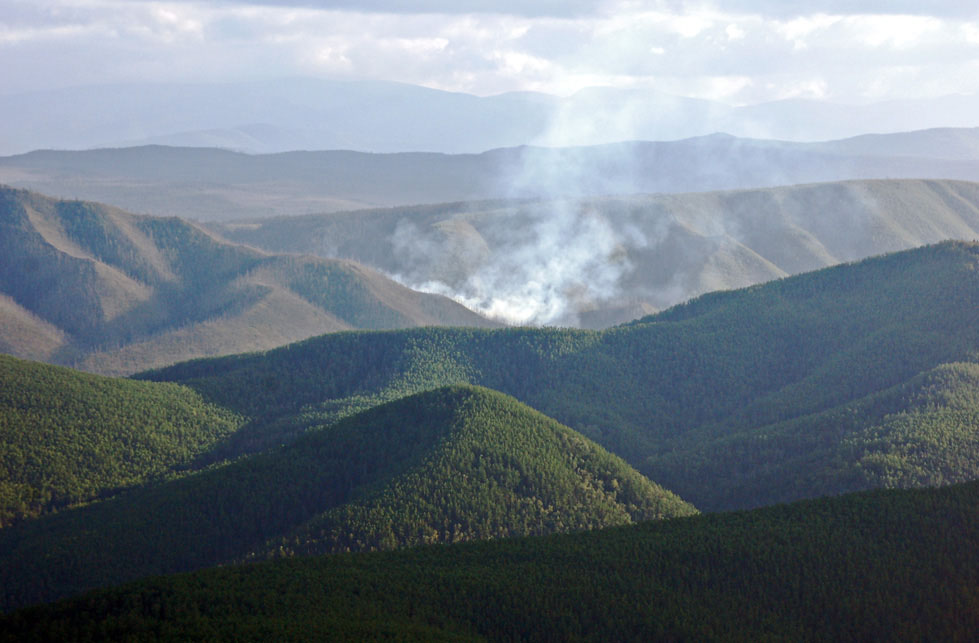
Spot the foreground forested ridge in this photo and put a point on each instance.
(93, 287)
(68, 437)
(449, 465)
(842, 379)
(857, 376)
(883, 565)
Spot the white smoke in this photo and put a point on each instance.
(558, 258)
(546, 261)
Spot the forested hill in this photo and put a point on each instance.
(90, 286)
(68, 437)
(874, 566)
(850, 377)
(449, 465)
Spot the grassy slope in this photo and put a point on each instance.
(707, 376)
(884, 565)
(68, 437)
(115, 293)
(448, 465)
(677, 245)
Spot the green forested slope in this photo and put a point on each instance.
(921, 432)
(68, 437)
(448, 465)
(711, 376)
(895, 565)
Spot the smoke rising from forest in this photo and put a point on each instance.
(552, 257)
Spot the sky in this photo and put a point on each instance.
(738, 52)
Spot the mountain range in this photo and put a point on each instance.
(304, 113)
(607, 260)
(92, 286)
(208, 184)
(846, 378)
(859, 376)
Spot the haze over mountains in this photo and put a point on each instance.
(308, 114)
(95, 287)
(594, 262)
(214, 185)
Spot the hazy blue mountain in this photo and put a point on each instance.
(209, 184)
(304, 113)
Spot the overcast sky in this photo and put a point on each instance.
(739, 52)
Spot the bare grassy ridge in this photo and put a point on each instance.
(676, 246)
(91, 286)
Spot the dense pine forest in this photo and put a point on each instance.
(833, 381)
(895, 565)
(856, 377)
(68, 437)
(448, 465)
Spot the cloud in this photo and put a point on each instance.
(792, 8)
(737, 52)
(534, 8)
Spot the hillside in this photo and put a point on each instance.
(207, 184)
(68, 437)
(448, 465)
(90, 286)
(895, 566)
(608, 260)
(749, 387)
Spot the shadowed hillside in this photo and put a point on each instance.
(449, 465)
(93, 287)
(895, 566)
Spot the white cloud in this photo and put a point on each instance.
(735, 51)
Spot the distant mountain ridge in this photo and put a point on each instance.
(663, 248)
(94, 287)
(219, 185)
(375, 116)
